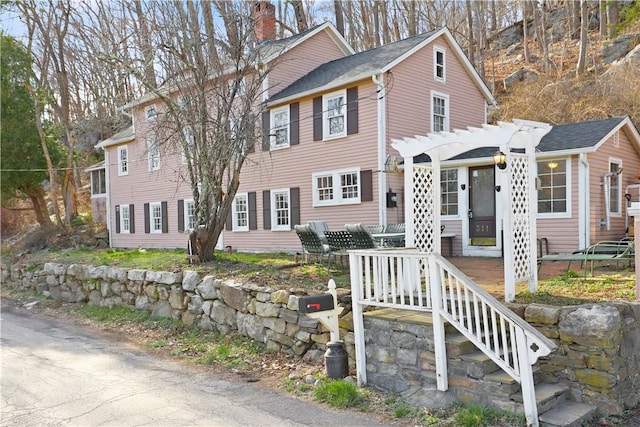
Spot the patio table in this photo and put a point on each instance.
(381, 237)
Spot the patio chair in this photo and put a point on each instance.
(340, 241)
(320, 227)
(374, 229)
(362, 239)
(618, 251)
(311, 244)
(394, 228)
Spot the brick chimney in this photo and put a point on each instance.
(264, 18)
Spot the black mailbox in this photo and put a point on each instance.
(314, 303)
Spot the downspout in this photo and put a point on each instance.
(108, 190)
(378, 80)
(584, 201)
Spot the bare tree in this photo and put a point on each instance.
(525, 30)
(612, 18)
(339, 14)
(543, 36)
(582, 57)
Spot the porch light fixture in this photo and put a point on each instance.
(552, 165)
(500, 160)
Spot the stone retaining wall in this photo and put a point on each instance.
(598, 352)
(267, 315)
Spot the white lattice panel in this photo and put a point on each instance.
(424, 199)
(520, 216)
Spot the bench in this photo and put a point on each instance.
(602, 251)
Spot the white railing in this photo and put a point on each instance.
(407, 279)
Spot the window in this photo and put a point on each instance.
(440, 112)
(616, 139)
(336, 187)
(280, 128)
(123, 160)
(150, 112)
(334, 108)
(241, 212)
(615, 189)
(155, 216)
(449, 192)
(438, 64)
(125, 219)
(553, 189)
(153, 152)
(98, 182)
(189, 214)
(280, 210)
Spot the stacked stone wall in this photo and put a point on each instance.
(267, 315)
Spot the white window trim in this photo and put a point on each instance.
(234, 213)
(613, 160)
(152, 230)
(325, 115)
(616, 139)
(460, 195)
(94, 173)
(153, 147)
(555, 215)
(437, 50)
(272, 138)
(337, 191)
(124, 230)
(186, 204)
(274, 225)
(149, 108)
(122, 172)
(446, 109)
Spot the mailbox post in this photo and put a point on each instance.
(325, 309)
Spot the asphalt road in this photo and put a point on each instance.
(54, 373)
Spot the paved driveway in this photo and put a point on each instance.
(55, 374)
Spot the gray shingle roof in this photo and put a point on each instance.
(367, 62)
(572, 136)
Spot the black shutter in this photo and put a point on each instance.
(366, 185)
(132, 220)
(147, 220)
(352, 110)
(251, 134)
(165, 217)
(317, 118)
(266, 130)
(294, 124)
(295, 206)
(117, 218)
(181, 216)
(253, 214)
(228, 225)
(266, 210)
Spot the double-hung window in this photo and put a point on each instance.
(449, 191)
(125, 219)
(553, 190)
(189, 214)
(336, 187)
(615, 187)
(280, 128)
(439, 64)
(240, 212)
(335, 115)
(150, 112)
(439, 112)
(153, 152)
(123, 160)
(155, 216)
(280, 209)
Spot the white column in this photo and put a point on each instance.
(634, 211)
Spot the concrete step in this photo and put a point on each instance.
(548, 396)
(567, 414)
(477, 364)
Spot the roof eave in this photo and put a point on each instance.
(106, 143)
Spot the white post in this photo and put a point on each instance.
(440, 348)
(634, 211)
(358, 320)
(526, 380)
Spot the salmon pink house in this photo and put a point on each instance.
(322, 148)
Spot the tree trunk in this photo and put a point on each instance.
(39, 206)
(602, 17)
(337, 7)
(612, 18)
(525, 30)
(145, 44)
(575, 19)
(301, 18)
(543, 38)
(471, 47)
(582, 58)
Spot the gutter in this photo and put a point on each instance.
(378, 80)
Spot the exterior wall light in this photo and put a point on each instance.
(500, 160)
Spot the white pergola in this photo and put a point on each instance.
(517, 181)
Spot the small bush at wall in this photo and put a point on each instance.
(339, 394)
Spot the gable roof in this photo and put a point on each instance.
(571, 138)
(370, 62)
(121, 137)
